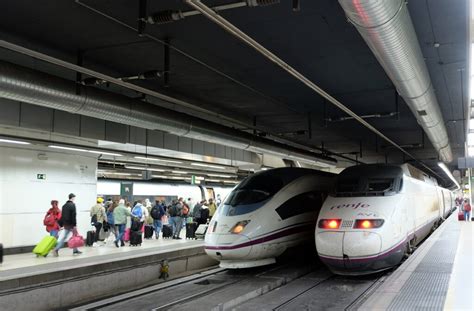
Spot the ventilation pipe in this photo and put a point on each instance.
(36, 88)
(387, 29)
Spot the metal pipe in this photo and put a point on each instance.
(386, 27)
(229, 27)
(36, 88)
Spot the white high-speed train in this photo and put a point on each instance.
(376, 214)
(265, 214)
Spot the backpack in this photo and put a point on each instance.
(155, 212)
(174, 210)
(49, 220)
(185, 210)
(137, 211)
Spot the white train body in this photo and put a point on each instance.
(374, 214)
(277, 210)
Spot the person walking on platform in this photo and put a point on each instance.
(51, 219)
(175, 218)
(110, 217)
(68, 221)
(212, 207)
(121, 212)
(98, 217)
(467, 210)
(157, 212)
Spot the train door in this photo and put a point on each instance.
(442, 204)
(207, 193)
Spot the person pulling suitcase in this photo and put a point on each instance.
(68, 222)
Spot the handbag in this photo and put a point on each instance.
(76, 240)
(93, 220)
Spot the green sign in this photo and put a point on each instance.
(193, 180)
(41, 176)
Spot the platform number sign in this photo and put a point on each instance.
(41, 176)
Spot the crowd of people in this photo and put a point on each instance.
(125, 220)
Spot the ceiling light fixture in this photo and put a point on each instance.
(208, 165)
(18, 142)
(159, 160)
(448, 173)
(67, 148)
(219, 175)
(105, 153)
(179, 172)
(141, 168)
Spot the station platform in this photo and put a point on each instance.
(438, 276)
(26, 281)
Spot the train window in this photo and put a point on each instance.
(254, 190)
(347, 185)
(380, 184)
(300, 204)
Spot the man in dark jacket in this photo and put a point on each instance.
(68, 221)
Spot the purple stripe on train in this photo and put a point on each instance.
(274, 236)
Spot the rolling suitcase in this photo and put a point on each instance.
(201, 231)
(148, 232)
(45, 246)
(167, 231)
(461, 216)
(135, 238)
(90, 238)
(190, 228)
(126, 236)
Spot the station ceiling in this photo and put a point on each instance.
(219, 73)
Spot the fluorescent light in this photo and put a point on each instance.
(213, 180)
(142, 168)
(448, 173)
(179, 172)
(470, 151)
(208, 165)
(105, 153)
(230, 182)
(18, 142)
(67, 148)
(159, 176)
(159, 160)
(219, 175)
(470, 139)
(199, 178)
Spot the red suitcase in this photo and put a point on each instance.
(461, 216)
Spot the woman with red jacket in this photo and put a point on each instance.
(51, 219)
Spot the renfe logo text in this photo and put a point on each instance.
(351, 205)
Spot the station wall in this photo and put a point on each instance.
(25, 197)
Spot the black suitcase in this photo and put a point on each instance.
(1, 253)
(90, 238)
(167, 231)
(135, 238)
(190, 228)
(148, 232)
(136, 225)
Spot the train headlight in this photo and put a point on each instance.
(368, 223)
(239, 227)
(329, 223)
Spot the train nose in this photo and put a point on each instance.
(348, 251)
(227, 246)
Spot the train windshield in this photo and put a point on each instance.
(255, 190)
(369, 180)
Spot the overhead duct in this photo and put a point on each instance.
(387, 29)
(33, 87)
